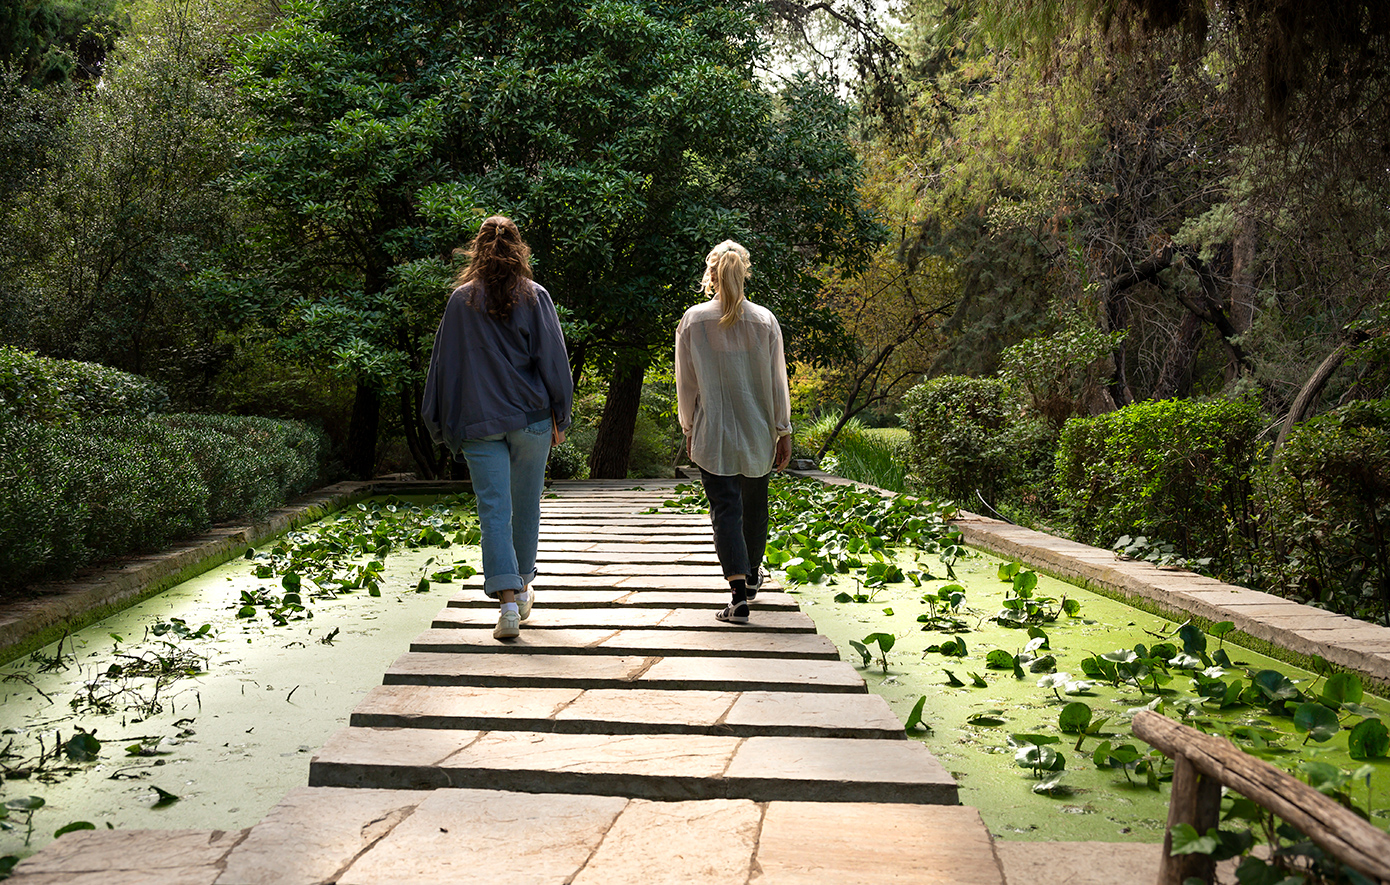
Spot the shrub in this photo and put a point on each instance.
(1177, 470)
(1327, 512)
(968, 437)
(94, 488)
(36, 388)
(807, 441)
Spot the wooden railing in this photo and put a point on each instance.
(1203, 764)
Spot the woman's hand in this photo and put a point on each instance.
(557, 436)
(783, 455)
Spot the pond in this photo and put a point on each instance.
(988, 655)
(229, 726)
(295, 636)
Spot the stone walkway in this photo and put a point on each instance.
(625, 737)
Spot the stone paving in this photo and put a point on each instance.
(625, 737)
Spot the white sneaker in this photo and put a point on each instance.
(508, 626)
(523, 603)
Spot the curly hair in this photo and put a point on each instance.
(499, 263)
(726, 267)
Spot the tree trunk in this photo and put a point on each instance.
(1175, 378)
(417, 437)
(613, 444)
(362, 432)
(1307, 398)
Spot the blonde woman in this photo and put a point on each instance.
(499, 395)
(735, 410)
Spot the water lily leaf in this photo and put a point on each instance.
(25, 803)
(1025, 582)
(986, 718)
(863, 651)
(914, 719)
(1360, 710)
(1275, 685)
(978, 680)
(1043, 664)
(885, 641)
(1052, 786)
(1324, 777)
(166, 798)
(74, 827)
(1369, 739)
(1074, 718)
(1221, 628)
(1341, 688)
(952, 680)
(82, 747)
(1007, 570)
(1039, 739)
(1318, 720)
(1194, 641)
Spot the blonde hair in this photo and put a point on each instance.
(726, 267)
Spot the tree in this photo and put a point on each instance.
(48, 42)
(624, 136)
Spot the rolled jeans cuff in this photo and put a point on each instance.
(494, 585)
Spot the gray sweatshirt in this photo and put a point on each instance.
(488, 377)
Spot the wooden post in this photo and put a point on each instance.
(1196, 800)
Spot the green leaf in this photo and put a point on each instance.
(998, 659)
(1342, 688)
(1186, 840)
(1369, 739)
(952, 680)
(1319, 721)
(977, 680)
(1074, 718)
(25, 803)
(166, 798)
(885, 641)
(914, 718)
(74, 827)
(82, 747)
(863, 651)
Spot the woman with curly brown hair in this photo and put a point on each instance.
(498, 395)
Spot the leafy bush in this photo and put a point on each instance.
(1327, 512)
(93, 488)
(36, 388)
(1178, 470)
(967, 436)
(808, 440)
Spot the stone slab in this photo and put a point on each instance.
(622, 671)
(839, 770)
(752, 674)
(130, 857)
(807, 843)
(616, 549)
(710, 599)
(516, 671)
(703, 556)
(821, 714)
(700, 643)
(470, 836)
(462, 707)
(662, 569)
(655, 766)
(547, 617)
(314, 833)
(678, 843)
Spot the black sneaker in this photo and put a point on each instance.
(754, 583)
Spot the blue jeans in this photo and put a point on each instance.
(508, 472)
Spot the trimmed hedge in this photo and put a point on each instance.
(102, 487)
(35, 388)
(89, 470)
(1176, 470)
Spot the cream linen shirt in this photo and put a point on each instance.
(731, 389)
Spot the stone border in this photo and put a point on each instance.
(1288, 631)
(107, 587)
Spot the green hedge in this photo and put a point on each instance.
(35, 388)
(1175, 470)
(94, 488)
(968, 437)
(1326, 508)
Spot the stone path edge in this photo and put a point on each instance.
(1147, 587)
(112, 585)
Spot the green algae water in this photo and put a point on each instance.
(970, 726)
(253, 698)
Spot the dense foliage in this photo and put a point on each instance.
(1174, 469)
(969, 441)
(91, 467)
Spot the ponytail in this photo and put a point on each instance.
(726, 267)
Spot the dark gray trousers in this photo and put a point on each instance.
(738, 514)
